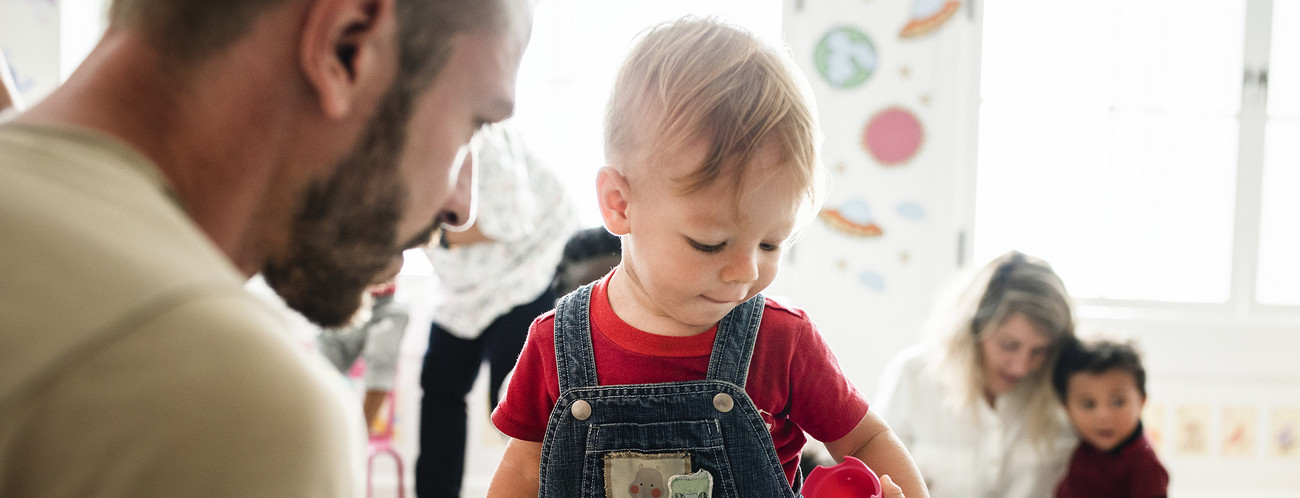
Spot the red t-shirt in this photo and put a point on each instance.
(1129, 471)
(794, 379)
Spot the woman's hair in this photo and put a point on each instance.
(701, 81)
(1010, 284)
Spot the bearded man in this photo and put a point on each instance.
(199, 143)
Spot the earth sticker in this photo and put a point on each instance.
(845, 57)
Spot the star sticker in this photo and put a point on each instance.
(905, 71)
(842, 265)
(925, 98)
(904, 257)
(840, 167)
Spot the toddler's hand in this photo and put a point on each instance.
(891, 490)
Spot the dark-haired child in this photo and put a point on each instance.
(1103, 387)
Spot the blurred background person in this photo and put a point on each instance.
(493, 279)
(975, 405)
(377, 340)
(588, 255)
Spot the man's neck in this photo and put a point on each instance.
(194, 129)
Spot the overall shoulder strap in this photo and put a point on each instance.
(575, 362)
(734, 345)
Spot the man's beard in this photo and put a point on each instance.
(345, 233)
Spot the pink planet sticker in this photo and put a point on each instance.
(893, 136)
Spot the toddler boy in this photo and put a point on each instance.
(1103, 387)
(672, 373)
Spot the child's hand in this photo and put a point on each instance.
(891, 490)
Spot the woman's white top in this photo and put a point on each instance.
(961, 455)
(527, 213)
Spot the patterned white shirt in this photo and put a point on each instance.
(527, 213)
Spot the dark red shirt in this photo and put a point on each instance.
(794, 379)
(1130, 470)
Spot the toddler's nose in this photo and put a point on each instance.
(741, 267)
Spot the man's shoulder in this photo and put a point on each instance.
(206, 349)
(199, 326)
(209, 383)
(100, 240)
(95, 251)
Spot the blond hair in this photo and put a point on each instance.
(696, 80)
(1010, 284)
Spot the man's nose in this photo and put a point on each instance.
(462, 207)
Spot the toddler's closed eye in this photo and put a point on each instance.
(705, 247)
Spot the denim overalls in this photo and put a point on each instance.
(606, 441)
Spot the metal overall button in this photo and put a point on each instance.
(723, 402)
(581, 410)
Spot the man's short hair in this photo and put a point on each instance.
(1097, 357)
(699, 79)
(188, 31)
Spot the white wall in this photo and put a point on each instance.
(29, 36)
(44, 40)
(1211, 377)
(870, 293)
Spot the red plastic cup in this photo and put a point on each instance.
(848, 479)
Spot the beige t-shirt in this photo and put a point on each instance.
(132, 361)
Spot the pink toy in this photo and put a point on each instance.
(382, 444)
(381, 435)
(849, 479)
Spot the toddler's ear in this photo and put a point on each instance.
(611, 193)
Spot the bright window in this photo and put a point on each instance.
(1279, 248)
(1127, 143)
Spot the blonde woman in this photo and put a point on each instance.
(974, 402)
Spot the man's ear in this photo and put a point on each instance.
(611, 194)
(348, 49)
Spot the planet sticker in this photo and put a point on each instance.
(893, 136)
(910, 210)
(872, 280)
(927, 16)
(853, 217)
(845, 57)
